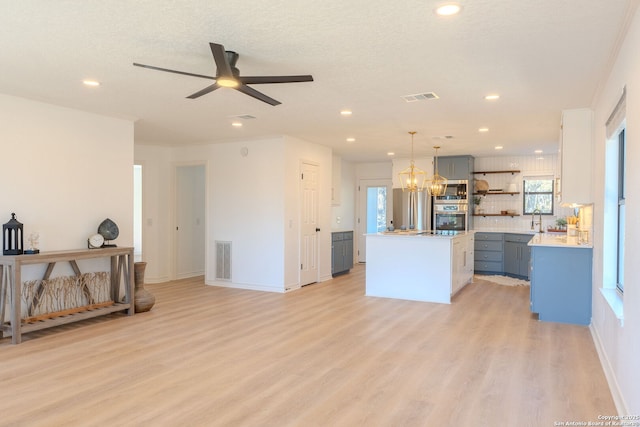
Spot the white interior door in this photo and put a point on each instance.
(309, 226)
(374, 202)
(190, 221)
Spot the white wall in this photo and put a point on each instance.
(156, 210)
(257, 211)
(342, 215)
(619, 344)
(246, 207)
(64, 171)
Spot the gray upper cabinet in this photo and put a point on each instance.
(456, 167)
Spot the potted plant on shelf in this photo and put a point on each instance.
(477, 209)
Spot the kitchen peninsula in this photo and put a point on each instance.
(561, 282)
(418, 265)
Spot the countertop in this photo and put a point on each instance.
(420, 233)
(556, 240)
(509, 230)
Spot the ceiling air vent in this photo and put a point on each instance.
(420, 97)
(243, 117)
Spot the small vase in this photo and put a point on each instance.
(143, 300)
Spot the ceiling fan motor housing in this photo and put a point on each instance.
(232, 58)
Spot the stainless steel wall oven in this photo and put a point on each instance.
(450, 218)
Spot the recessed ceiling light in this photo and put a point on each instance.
(538, 151)
(346, 112)
(351, 140)
(448, 9)
(483, 130)
(91, 83)
(391, 153)
(492, 97)
(498, 147)
(236, 124)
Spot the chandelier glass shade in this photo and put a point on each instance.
(437, 185)
(412, 179)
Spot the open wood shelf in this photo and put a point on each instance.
(496, 214)
(62, 320)
(496, 192)
(512, 172)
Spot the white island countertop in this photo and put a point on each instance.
(421, 233)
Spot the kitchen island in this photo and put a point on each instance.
(418, 266)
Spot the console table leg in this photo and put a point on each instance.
(115, 280)
(15, 285)
(3, 298)
(129, 283)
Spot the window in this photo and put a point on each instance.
(538, 195)
(621, 210)
(615, 197)
(376, 209)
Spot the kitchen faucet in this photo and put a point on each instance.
(539, 223)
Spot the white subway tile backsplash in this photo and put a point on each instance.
(528, 166)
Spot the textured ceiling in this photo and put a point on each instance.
(541, 56)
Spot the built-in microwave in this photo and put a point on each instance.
(457, 190)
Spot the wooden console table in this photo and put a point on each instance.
(10, 271)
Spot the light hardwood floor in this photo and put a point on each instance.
(324, 355)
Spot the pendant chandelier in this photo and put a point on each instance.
(412, 179)
(437, 185)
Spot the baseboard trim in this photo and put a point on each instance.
(609, 374)
(245, 286)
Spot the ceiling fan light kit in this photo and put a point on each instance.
(228, 76)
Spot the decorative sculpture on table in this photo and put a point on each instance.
(33, 244)
(109, 230)
(12, 241)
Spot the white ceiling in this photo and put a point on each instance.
(541, 56)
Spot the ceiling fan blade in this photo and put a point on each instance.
(223, 68)
(257, 95)
(151, 67)
(256, 80)
(204, 91)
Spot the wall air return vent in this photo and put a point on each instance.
(223, 260)
(420, 97)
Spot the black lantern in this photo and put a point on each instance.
(12, 243)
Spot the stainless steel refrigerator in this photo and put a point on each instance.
(411, 210)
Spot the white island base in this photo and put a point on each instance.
(419, 267)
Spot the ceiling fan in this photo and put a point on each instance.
(227, 75)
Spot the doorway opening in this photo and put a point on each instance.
(137, 213)
(190, 220)
(374, 210)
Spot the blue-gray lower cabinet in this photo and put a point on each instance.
(516, 255)
(341, 252)
(561, 284)
(488, 253)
